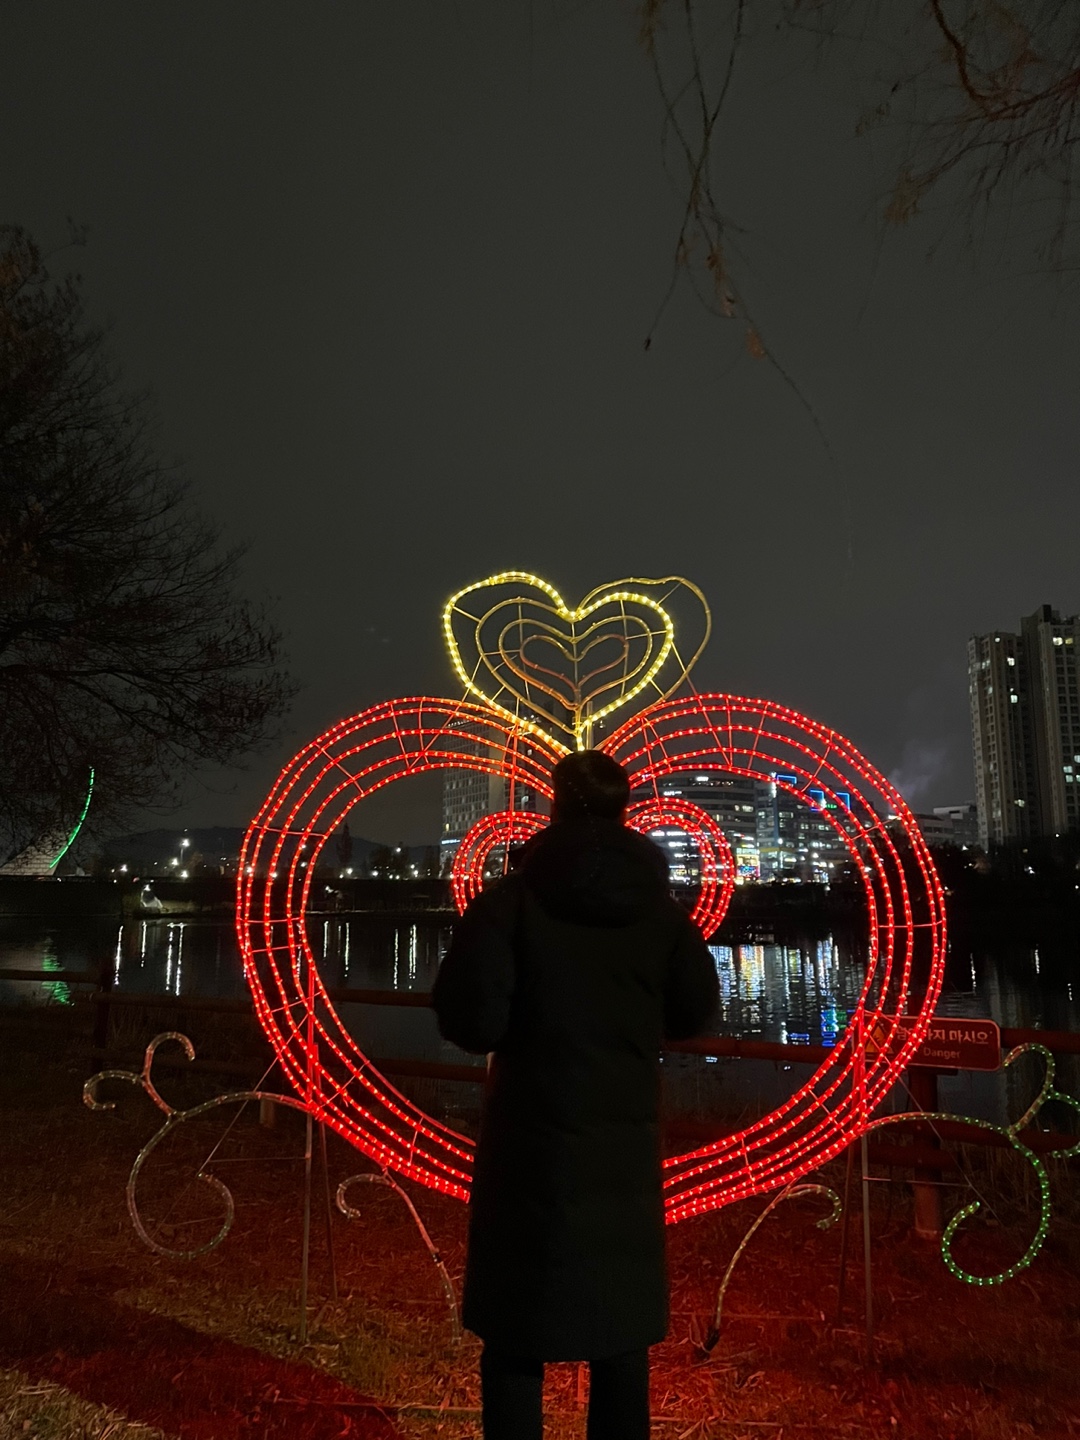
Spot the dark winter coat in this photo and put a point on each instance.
(571, 970)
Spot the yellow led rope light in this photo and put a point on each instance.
(556, 638)
(467, 680)
(659, 646)
(573, 617)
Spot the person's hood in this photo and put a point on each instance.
(595, 872)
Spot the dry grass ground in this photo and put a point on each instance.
(101, 1338)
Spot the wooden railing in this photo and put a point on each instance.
(104, 997)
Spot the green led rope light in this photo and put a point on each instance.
(78, 824)
(1012, 1134)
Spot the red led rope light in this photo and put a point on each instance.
(714, 852)
(831, 1109)
(512, 827)
(359, 756)
(505, 828)
(311, 798)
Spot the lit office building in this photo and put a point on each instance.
(773, 834)
(1025, 723)
(731, 800)
(795, 840)
(469, 795)
(951, 825)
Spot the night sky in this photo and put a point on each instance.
(388, 270)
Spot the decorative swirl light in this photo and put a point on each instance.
(1012, 1134)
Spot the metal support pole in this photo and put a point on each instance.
(925, 1186)
(866, 1249)
(329, 1215)
(841, 1280)
(305, 1252)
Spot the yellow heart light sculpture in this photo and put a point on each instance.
(516, 644)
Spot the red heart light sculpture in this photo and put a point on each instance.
(505, 827)
(510, 827)
(714, 732)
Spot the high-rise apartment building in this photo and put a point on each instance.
(1025, 724)
(469, 795)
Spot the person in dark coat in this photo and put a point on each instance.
(569, 972)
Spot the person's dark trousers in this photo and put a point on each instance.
(513, 1390)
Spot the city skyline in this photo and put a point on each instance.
(420, 414)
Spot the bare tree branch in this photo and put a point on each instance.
(124, 644)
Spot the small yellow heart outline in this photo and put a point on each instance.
(659, 648)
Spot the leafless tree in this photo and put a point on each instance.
(981, 97)
(124, 644)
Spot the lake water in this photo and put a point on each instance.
(798, 993)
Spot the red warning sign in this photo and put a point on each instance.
(953, 1042)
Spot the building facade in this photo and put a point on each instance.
(1025, 725)
(952, 825)
(773, 834)
(731, 800)
(469, 795)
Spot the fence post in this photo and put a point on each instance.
(925, 1186)
(99, 1039)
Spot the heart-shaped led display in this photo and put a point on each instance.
(515, 643)
(753, 738)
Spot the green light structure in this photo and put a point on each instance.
(78, 824)
(1012, 1135)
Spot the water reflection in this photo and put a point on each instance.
(799, 993)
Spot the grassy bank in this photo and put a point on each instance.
(101, 1338)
